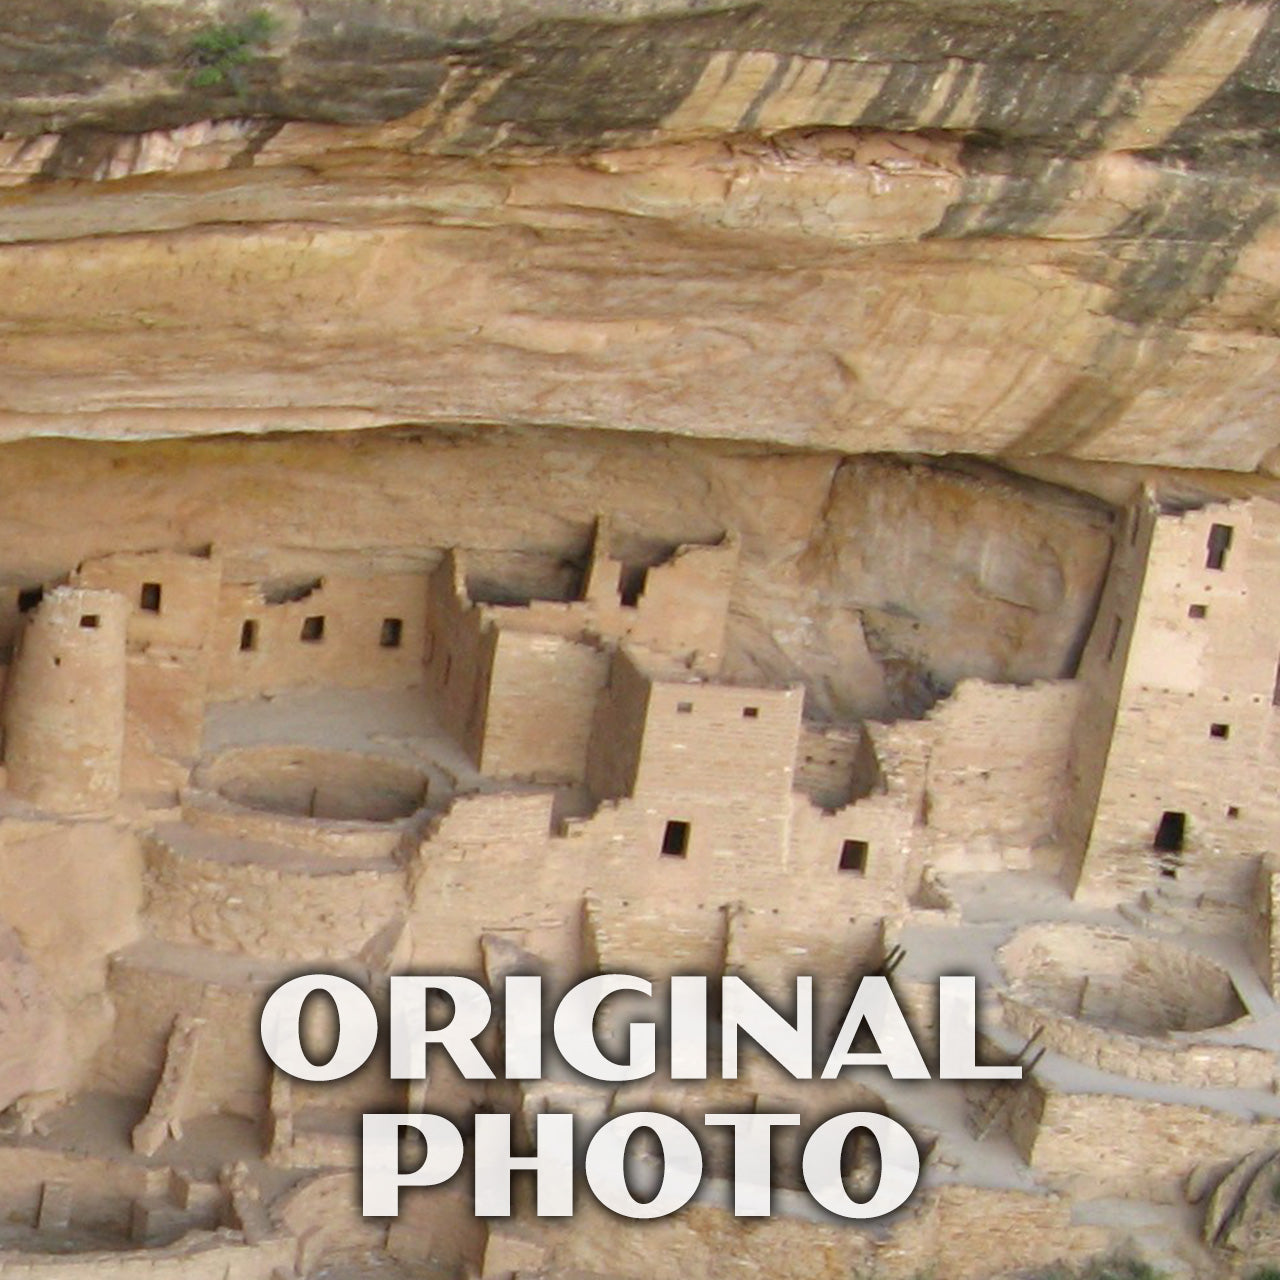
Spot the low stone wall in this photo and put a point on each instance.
(275, 910)
(337, 839)
(938, 1235)
(102, 1192)
(209, 1256)
(1109, 1145)
(1163, 1061)
(150, 985)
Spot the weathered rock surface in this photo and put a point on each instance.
(32, 1035)
(869, 227)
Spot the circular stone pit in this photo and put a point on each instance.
(1119, 982)
(310, 782)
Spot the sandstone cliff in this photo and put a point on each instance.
(1028, 230)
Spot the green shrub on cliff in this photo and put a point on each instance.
(217, 52)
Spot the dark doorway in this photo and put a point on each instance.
(1170, 835)
(313, 630)
(1171, 832)
(248, 636)
(675, 839)
(28, 598)
(149, 597)
(392, 630)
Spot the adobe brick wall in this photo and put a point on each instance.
(211, 1258)
(148, 996)
(683, 608)
(1019, 1231)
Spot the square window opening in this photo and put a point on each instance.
(684, 708)
(89, 621)
(28, 598)
(392, 632)
(312, 629)
(853, 856)
(248, 636)
(1233, 811)
(751, 713)
(1219, 731)
(149, 597)
(675, 839)
(1198, 611)
(1219, 545)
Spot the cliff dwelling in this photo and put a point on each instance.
(759, 492)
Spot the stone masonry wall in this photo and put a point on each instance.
(998, 762)
(64, 712)
(1196, 733)
(540, 708)
(347, 632)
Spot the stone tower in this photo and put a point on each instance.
(64, 713)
